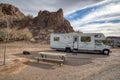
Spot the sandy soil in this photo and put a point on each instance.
(83, 66)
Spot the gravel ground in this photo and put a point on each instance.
(83, 66)
(78, 67)
(111, 74)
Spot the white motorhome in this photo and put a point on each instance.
(83, 42)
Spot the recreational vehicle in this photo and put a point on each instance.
(83, 42)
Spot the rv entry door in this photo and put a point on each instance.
(75, 42)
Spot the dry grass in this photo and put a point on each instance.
(20, 46)
(13, 66)
(16, 34)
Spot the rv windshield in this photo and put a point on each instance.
(98, 42)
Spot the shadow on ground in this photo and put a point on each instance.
(72, 59)
(43, 65)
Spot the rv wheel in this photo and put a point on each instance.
(68, 50)
(106, 52)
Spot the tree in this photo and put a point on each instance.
(8, 20)
(78, 31)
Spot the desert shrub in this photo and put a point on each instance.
(78, 31)
(17, 34)
(2, 37)
(3, 33)
(106, 41)
(25, 34)
(22, 34)
(1, 14)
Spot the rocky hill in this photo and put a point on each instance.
(10, 12)
(7, 9)
(49, 22)
(40, 26)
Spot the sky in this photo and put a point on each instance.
(88, 16)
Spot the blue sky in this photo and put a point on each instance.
(88, 16)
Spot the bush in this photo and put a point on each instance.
(3, 34)
(2, 37)
(16, 34)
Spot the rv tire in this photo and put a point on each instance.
(106, 51)
(68, 50)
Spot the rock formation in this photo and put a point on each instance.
(49, 22)
(7, 9)
(40, 26)
(11, 13)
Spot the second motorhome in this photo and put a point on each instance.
(83, 42)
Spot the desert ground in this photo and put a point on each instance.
(80, 66)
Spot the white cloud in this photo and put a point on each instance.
(107, 13)
(107, 19)
(33, 6)
(103, 13)
(109, 29)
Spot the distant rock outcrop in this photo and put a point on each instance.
(11, 13)
(40, 26)
(49, 22)
(7, 9)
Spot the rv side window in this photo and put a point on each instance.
(85, 39)
(56, 38)
(97, 35)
